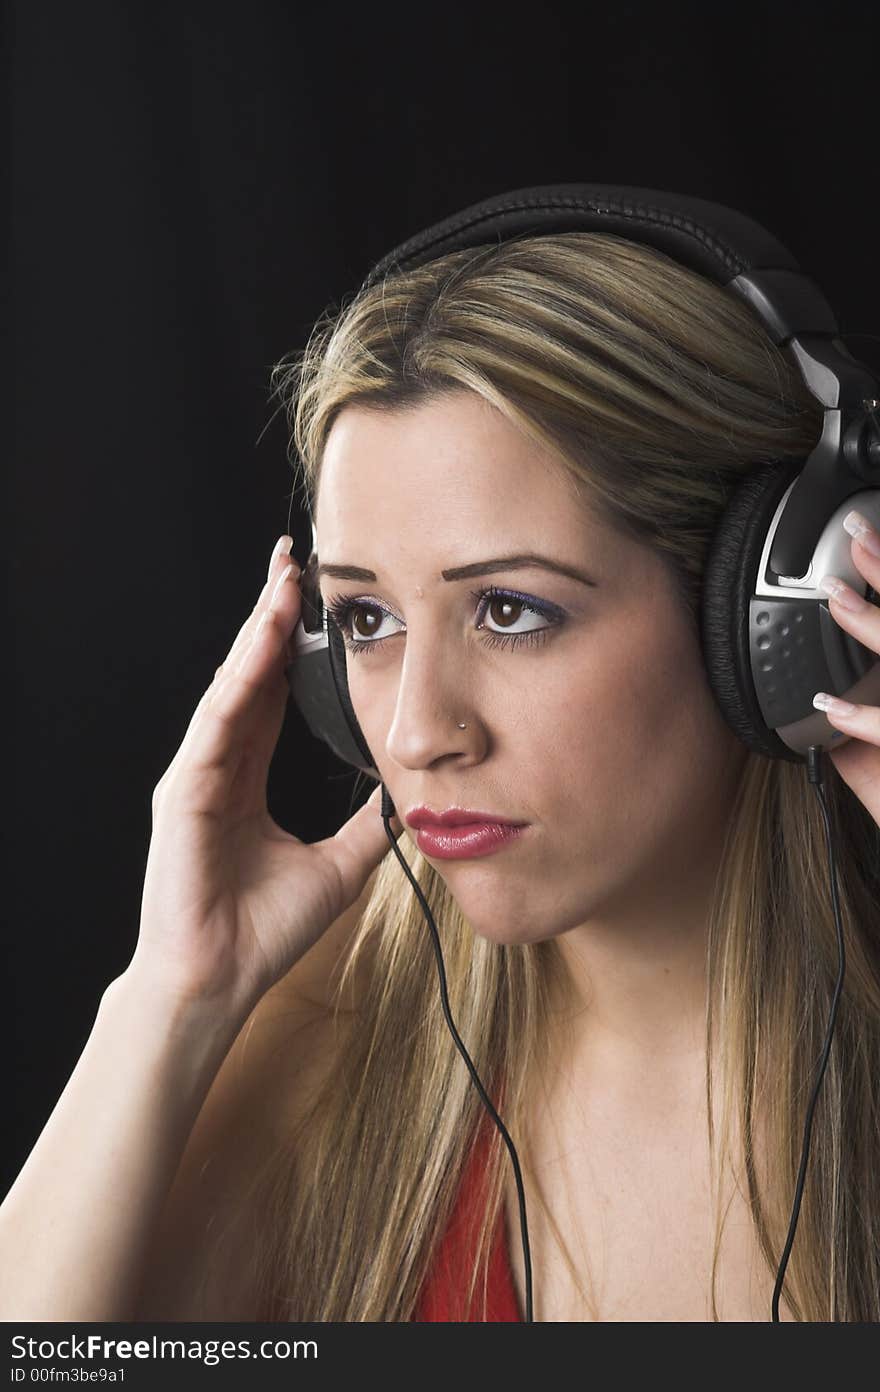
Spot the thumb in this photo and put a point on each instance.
(374, 802)
(359, 845)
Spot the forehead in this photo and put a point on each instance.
(442, 474)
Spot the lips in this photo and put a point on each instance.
(467, 840)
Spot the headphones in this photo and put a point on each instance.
(767, 637)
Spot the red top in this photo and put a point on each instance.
(442, 1295)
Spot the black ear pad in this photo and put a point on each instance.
(728, 585)
(336, 651)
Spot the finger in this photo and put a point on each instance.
(865, 548)
(858, 765)
(863, 722)
(280, 560)
(851, 611)
(359, 845)
(218, 735)
(276, 616)
(858, 761)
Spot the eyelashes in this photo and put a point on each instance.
(340, 609)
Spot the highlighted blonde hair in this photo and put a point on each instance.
(658, 391)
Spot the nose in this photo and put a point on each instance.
(432, 701)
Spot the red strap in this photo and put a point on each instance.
(442, 1295)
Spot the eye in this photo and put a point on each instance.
(503, 607)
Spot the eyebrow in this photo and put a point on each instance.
(521, 561)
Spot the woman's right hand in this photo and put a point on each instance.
(231, 901)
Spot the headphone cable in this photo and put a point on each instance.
(815, 773)
(387, 814)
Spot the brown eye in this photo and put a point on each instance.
(504, 609)
(372, 621)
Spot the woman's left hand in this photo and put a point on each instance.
(858, 761)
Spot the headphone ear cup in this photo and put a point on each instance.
(339, 668)
(729, 580)
(318, 680)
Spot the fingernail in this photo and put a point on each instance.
(832, 704)
(860, 528)
(844, 596)
(282, 546)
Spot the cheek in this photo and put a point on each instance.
(620, 694)
(634, 718)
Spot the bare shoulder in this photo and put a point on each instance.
(202, 1259)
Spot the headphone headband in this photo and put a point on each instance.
(738, 254)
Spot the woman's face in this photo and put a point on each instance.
(602, 735)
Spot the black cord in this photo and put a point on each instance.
(387, 813)
(815, 773)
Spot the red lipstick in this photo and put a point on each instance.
(460, 833)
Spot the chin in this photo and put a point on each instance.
(500, 933)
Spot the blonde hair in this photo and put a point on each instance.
(658, 391)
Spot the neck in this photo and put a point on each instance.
(635, 980)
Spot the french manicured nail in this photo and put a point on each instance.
(282, 546)
(860, 528)
(844, 596)
(833, 704)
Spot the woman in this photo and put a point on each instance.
(642, 977)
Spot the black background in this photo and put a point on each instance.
(191, 186)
